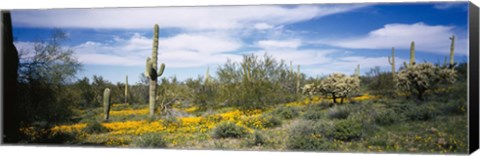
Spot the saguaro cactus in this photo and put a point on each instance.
(151, 72)
(357, 71)
(106, 103)
(391, 61)
(412, 53)
(452, 51)
(207, 76)
(298, 78)
(126, 89)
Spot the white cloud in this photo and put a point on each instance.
(178, 51)
(428, 38)
(193, 18)
(279, 44)
(263, 26)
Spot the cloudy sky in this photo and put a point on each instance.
(321, 38)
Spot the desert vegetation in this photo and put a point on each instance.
(258, 103)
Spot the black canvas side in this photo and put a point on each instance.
(473, 78)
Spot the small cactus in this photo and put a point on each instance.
(298, 79)
(106, 103)
(391, 61)
(207, 76)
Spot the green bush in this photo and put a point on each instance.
(95, 127)
(313, 115)
(150, 141)
(229, 130)
(346, 130)
(286, 112)
(171, 121)
(256, 139)
(423, 112)
(338, 112)
(387, 117)
(272, 121)
(309, 136)
(456, 107)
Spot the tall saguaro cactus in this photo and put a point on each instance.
(151, 72)
(207, 75)
(412, 53)
(126, 89)
(357, 71)
(106, 103)
(452, 51)
(391, 61)
(298, 79)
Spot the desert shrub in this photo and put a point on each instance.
(422, 112)
(95, 127)
(151, 140)
(387, 117)
(272, 121)
(256, 139)
(379, 82)
(286, 112)
(263, 121)
(257, 82)
(308, 136)
(313, 115)
(171, 121)
(229, 130)
(455, 107)
(338, 112)
(346, 130)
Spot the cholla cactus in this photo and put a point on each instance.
(339, 85)
(310, 89)
(151, 72)
(419, 78)
(106, 103)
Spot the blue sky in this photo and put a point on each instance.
(322, 39)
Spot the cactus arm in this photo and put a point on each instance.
(160, 71)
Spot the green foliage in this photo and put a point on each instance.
(271, 121)
(388, 117)
(204, 95)
(256, 139)
(379, 83)
(419, 78)
(229, 130)
(94, 127)
(43, 75)
(152, 140)
(309, 136)
(286, 112)
(313, 114)
(422, 112)
(256, 83)
(346, 130)
(339, 112)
